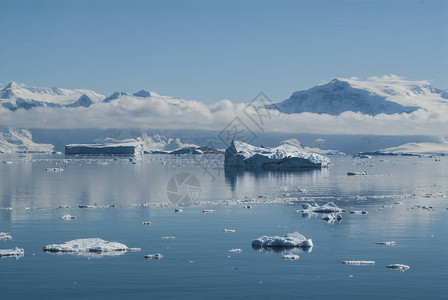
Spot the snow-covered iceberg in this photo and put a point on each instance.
(294, 239)
(15, 252)
(330, 207)
(285, 156)
(130, 148)
(5, 236)
(96, 245)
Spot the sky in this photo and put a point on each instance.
(214, 50)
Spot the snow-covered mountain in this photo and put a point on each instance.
(384, 95)
(20, 140)
(16, 96)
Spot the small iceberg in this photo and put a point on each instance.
(389, 243)
(14, 252)
(356, 173)
(332, 217)
(86, 245)
(5, 236)
(400, 267)
(289, 240)
(54, 170)
(358, 262)
(154, 256)
(236, 250)
(67, 217)
(168, 237)
(229, 230)
(330, 207)
(359, 212)
(290, 256)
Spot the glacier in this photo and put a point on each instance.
(285, 156)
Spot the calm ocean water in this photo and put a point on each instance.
(197, 264)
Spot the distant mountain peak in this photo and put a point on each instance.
(142, 94)
(115, 96)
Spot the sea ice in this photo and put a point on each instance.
(5, 236)
(236, 250)
(389, 243)
(289, 240)
(154, 256)
(398, 267)
(16, 252)
(330, 207)
(86, 245)
(356, 173)
(290, 256)
(358, 262)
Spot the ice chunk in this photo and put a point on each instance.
(290, 256)
(5, 236)
(154, 256)
(330, 207)
(236, 250)
(87, 206)
(229, 230)
(390, 243)
(86, 245)
(146, 223)
(67, 217)
(359, 212)
(289, 240)
(15, 252)
(356, 173)
(358, 262)
(285, 156)
(54, 169)
(332, 217)
(208, 211)
(399, 267)
(178, 210)
(168, 237)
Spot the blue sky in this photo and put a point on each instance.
(211, 50)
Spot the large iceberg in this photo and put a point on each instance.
(294, 239)
(129, 148)
(285, 156)
(86, 245)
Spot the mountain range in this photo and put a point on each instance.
(384, 95)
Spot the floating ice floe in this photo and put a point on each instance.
(5, 236)
(147, 223)
(285, 156)
(290, 256)
(236, 250)
(359, 212)
(294, 239)
(358, 262)
(87, 245)
(54, 169)
(67, 217)
(14, 252)
(398, 267)
(229, 230)
(330, 207)
(168, 237)
(389, 243)
(208, 211)
(154, 256)
(332, 217)
(356, 173)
